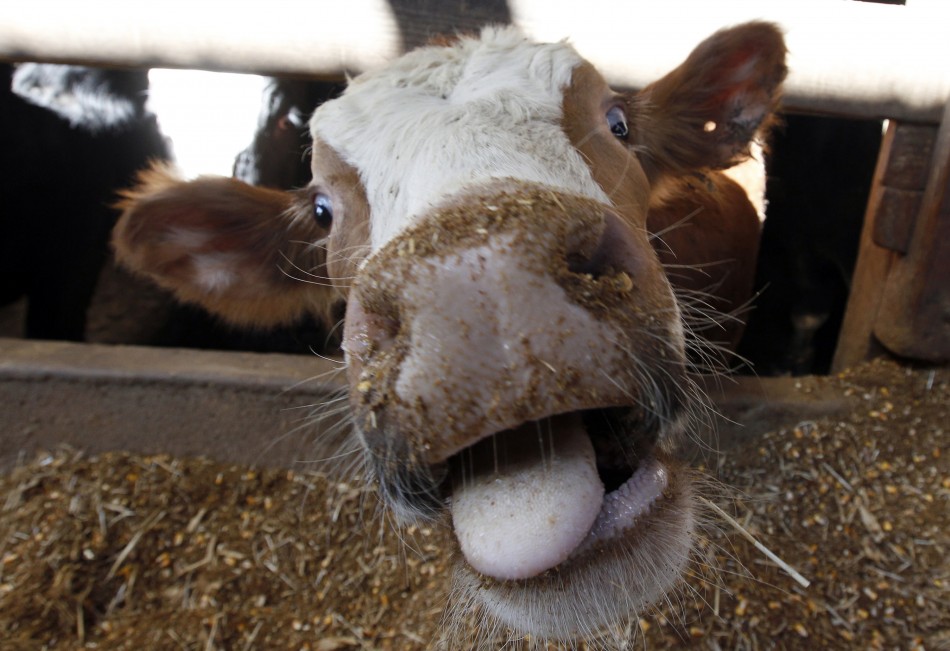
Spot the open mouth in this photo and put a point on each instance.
(528, 499)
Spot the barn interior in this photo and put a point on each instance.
(164, 475)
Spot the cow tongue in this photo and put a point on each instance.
(524, 504)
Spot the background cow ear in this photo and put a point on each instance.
(251, 255)
(706, 112)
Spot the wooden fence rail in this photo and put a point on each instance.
(849, 58)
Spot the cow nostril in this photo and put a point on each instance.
(588, 266)
(593, 266)
(614, 252)
(368, 330)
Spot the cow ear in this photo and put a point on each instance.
(706, 112)
(251, 255)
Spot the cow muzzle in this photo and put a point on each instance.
(524, 342)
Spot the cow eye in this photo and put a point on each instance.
(322, 210)
(617, 121)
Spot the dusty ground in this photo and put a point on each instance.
(131, 552)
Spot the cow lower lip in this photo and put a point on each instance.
(591, 504)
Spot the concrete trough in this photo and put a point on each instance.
(253, 409)
(246, 408)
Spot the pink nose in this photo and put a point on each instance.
(502, 310)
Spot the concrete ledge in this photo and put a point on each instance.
(257, 409)
(236, 407)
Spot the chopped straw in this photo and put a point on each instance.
(802, 581)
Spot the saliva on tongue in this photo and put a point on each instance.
(524, 504)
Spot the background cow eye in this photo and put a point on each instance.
(322, 210)
(617, 121)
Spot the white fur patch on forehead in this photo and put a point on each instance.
(442, 119)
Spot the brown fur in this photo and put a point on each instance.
(708, 229)
(349, 237)
(269, 236)
(728, 70)
(707, 237)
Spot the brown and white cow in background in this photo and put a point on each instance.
(515, 352)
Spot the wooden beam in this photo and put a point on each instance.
(849, 58)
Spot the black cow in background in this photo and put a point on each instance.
(819, 176)
(70, 138)
(279, 156)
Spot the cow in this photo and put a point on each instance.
(494, 217)
(71, 137)
(276, 156)
(810, 241)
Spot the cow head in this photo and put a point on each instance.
(514, 349)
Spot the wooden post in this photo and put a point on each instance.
(914, 319)
(889, 225)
